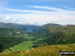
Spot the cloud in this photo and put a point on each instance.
(54, 10)
(57, 10)
(59, 16)
(7, 18)
(45, 7)
(18, 10)
(40, 19)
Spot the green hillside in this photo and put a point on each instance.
(27, 44)
(52, 50)
(14, 39)
(51, 34)
(11, 32)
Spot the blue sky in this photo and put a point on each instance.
(37, 11)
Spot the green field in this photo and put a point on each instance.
(52, 50)
(22, 46)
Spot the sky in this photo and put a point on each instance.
(37, 12)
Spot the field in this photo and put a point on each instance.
(52, 50)
(22, 46)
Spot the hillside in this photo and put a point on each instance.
(14, 39)
(52, 50)
(50, 34)
(24, 45)
(11, 32)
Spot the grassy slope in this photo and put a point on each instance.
(52, 50)
(22, 46)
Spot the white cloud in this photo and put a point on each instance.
(41, 19)
(45, 7)
(17, 10)
(60, 16)
(52, 8)
(55, 10)
(7, 18)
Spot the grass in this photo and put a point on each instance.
(52, 50)
(22, 46)
(29, 37)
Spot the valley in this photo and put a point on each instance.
(45, 40)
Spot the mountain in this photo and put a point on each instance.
(26, 28)
(50, 34)
(52, 50)
(46, 29)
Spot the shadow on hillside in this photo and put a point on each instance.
(7, 42)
